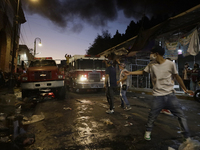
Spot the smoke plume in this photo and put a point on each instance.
(99, 12)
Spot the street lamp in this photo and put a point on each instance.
(40, 44)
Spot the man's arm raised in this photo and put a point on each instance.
(134, 72)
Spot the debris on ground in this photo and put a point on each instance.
(107, 121)
(103, 105)
(126, 116)
(67, 108)
(170, 148)
(33, 119)
(190, 144)
(24, 140)
(128, 124)
(18, 95)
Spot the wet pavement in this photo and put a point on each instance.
(80, 122)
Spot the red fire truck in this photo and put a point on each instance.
(85, 72)
(43, 75)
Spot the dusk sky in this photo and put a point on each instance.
(57, 41)
(70, 26)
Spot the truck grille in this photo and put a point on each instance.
(42, 75)
(94, 76)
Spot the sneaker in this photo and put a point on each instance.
(166, 111)
(128, 108)
(147, 135)
(110, 111)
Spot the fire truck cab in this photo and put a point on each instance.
(43, 75)
(85, 72)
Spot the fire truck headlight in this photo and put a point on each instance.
(83, 78)
(103, 78)
(60, 76)
(24, 78)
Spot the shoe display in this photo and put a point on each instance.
(110, 111)
(147, 135)
(128, 108)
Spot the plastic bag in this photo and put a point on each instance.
(190, 144)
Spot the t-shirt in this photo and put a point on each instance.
(161, 76)
(122, 75)
(112, 80)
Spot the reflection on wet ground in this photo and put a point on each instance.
(83, 124)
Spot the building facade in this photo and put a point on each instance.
(24, 57)
(10, 20)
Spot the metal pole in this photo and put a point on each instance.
(34, 47)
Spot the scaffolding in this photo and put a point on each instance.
(139, 81)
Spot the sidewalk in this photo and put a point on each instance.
(179, 94)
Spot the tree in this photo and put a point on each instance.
(100, 44)
(104, 41)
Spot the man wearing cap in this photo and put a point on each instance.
(123, 87)
(162, 73)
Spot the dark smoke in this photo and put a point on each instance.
(99, 12)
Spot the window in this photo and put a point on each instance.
(41, 63)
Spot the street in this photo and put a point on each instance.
(80, 122)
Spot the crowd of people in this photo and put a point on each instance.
(193, 75)
(163, 72)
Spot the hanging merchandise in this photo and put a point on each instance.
(194, 48)
(171, 45)
(186, 39)
(171, 50)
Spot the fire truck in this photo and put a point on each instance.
(85, 72)
(43, 76)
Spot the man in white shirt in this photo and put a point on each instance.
(162, 73)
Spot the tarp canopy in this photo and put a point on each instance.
(181, 23)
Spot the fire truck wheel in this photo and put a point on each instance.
(61, 93)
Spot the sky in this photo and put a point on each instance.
(56, 41)
(71, 26)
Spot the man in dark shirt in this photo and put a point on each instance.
(110, 84)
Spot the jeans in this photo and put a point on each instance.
(168, 102)
(110, 96)
(123, 97)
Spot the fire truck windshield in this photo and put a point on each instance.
(90, 64)
(40, 63)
